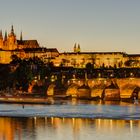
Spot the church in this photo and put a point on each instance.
(10, 42)
(10, 45)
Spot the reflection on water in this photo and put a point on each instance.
(37, 126)
(68, 128)
(75, 109)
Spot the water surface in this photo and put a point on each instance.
(73, 120)
(68, 128)
(74, 109)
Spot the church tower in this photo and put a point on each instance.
(74, 48)
(21, 38)
(5, 41)
(5, 37)
(78, 49)
(11, 41)
(1, 40)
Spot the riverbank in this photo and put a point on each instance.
(54, 100)
(28, 100)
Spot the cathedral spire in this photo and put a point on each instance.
(21, 36)
(1, 37)
(5, 38)
(12, 29)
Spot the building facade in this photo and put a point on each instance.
(80, 59)
(10, 45)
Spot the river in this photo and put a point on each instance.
(76, 120)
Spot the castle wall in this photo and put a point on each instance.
(80, 60)
(76, 59)
(5, 57)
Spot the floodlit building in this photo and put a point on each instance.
(10, 45)
(80, 59)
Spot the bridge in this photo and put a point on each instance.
(126, 86)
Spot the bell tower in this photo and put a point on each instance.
(74, 48)
(78, 49)
(11, 41)
(21, 38)
(1, 40)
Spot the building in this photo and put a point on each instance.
(10, 42)
(10, 45)
(80, 59)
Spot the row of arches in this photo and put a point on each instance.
(111, 92)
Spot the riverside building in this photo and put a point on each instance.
(10, 45)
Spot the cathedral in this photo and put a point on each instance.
(10, 42)
(10, 45)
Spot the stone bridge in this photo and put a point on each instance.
(125, 85)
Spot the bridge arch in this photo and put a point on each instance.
(136, 93)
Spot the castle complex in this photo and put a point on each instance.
(10, 42)
(80, 59)
(10, 45)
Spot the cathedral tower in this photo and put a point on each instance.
(1, 40)
(11, 41)
(21, 38)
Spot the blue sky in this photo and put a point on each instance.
(97, 25)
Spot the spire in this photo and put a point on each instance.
(12, 29)
(78, 45)
(5, 38)
(78, 49)
(74, 47)
(1, 37)
(21, 36)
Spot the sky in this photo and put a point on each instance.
(97, 25)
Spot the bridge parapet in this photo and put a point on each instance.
(126, 85)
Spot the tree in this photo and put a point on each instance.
(89, 67)
(15, 59)
(5, 78)
(23, 75)
(132, 63)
